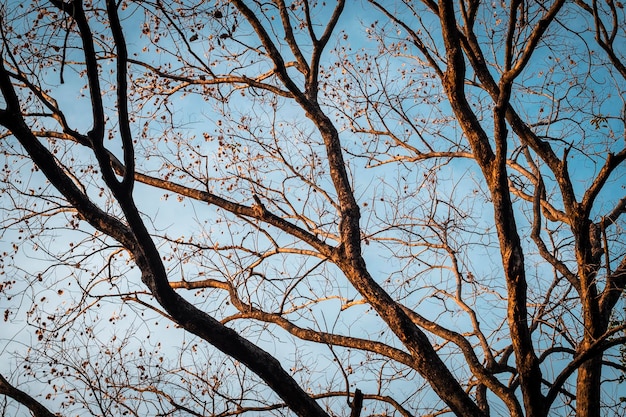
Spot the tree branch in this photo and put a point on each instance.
(35, 407)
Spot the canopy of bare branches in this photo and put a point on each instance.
(312, 208)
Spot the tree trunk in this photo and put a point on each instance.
(588, 388)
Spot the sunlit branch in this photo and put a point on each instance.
(596, 348)
(612, 162)
(312, 84)
(247, 311)
(238, 209)
(531, 43)
(175, 404)
(430, 56)
(302, 65)
(484, 374)
(186, 81)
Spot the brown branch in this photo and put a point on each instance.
(614, 288)
(186, 81)
(536, 234)
(272, 51)
(35, 407)
(357, 403)
(602, 37)
(417, 41)
(312, 86)
(618, 210)
(493, 166)
(240, 210)
(596, 348)
(478, 370)
(250, 312)
(534, 39)
(612, 162)
(302, 65)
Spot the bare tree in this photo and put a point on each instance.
(408, 208)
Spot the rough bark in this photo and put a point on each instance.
(493, 166)
(487, 143)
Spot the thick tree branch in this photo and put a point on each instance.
(123, 118)
(494, 170)
(35, 407)
(483, 374)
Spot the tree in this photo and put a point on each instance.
(408, 208)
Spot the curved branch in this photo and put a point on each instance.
(483, 375)
(249, 312)
(35, 407)
(216, 80)
(318, 49)
(122, 98)
(612, 162)
(272, 51)
(303, 66)
(74, 9)
(595, 349)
